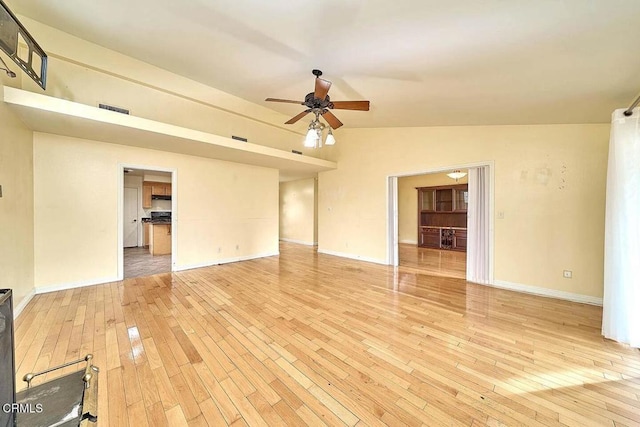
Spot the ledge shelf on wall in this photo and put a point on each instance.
(48, 114)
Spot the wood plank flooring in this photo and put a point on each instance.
(434, 262)
(312, 339)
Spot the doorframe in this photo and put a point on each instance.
(393, 257)
(174, 211)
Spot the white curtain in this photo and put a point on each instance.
(621, 305)
(478, 226)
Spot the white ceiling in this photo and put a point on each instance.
(419, 62)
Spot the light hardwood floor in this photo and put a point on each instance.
(309, 339)
(434, 262)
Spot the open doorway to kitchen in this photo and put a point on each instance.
(146, 235)
(435, 216)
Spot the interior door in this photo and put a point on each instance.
(130, 217)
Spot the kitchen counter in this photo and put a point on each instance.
(159, 238)
(154, 221)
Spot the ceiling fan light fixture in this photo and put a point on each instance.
(311, 140)
(319, 103)
(331, 140)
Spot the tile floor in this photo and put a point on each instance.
(139, 262)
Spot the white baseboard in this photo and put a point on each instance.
(351, 256)
(73, 285)
(225, 261)
(409, 241)
(18, 308)
(546, 292)
(300, 242)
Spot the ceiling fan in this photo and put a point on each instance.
(319, 103)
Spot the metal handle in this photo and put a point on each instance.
(31, 375)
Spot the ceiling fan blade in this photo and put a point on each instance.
(298, 117)
(351, 105)
(322, 88)
(331, 119)
(284, 100)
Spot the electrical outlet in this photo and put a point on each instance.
(501, 215)
(567, 274)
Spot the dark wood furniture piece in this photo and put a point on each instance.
(442, 217)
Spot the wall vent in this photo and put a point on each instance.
(296, 152)
(239, 138)
(112, 108)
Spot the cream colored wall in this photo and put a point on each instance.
(549, 182)
(90, 74)
(297, 211)
(408, 201)
(16, 205)
(225, 210)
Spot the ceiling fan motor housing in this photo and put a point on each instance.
(312, 102)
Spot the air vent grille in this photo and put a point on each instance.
(112, 108)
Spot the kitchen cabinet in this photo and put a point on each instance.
(150, 189)
(160, 239)
(146, 231)
(146, 196)
(160, 188)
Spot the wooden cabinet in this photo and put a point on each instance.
(146, 231)
(452, 198)
(444, 200)
(443, 238)
(426, 200)
(160, 239)
(460, 199)
(442, 217)
(460, 240)
(430, 237)
(150, 189)
(160, 189)
(146, 196)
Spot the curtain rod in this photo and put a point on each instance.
(629, 111)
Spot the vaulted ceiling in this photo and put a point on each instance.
(419, 62)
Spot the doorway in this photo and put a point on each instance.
(146, 204)
(404, 234)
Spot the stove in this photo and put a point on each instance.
(161, 217)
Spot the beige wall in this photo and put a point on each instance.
(408, 201)
(225, 210)
(16, 205)
(549, 182)
(298, 211)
